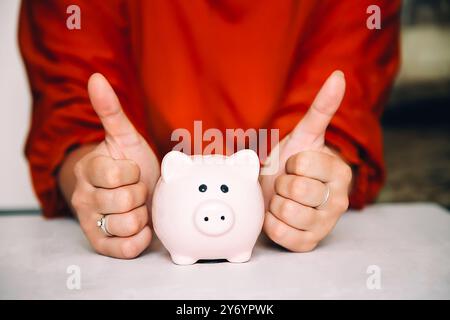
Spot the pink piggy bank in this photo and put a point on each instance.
(208, 207)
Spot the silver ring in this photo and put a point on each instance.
(325, 199)
(101, 223)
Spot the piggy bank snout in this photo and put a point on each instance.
(214, 218)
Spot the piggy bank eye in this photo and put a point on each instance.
(202, 188)
(224, 188)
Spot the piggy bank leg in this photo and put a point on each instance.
(242, 257)
(182, 260)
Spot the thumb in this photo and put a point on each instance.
(118, 128)
(310, 131)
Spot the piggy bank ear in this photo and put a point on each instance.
(174, 165)
(247, 161)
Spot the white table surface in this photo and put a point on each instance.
(410, 243)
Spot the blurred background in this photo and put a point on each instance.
(416, 121)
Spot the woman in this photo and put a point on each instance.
(230, 64)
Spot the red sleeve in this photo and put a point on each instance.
(59, 62)
(339, 39)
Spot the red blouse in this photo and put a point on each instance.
(229, 63)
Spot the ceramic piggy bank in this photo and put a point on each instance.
(208, 207)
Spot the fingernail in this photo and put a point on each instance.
(339, 73)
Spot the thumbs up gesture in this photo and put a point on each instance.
(309, 193)
(114, 181)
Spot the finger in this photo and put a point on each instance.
(336, 204)
(106, 172)
(120, 200)
(306, 191)
(312, 164)
(292, 213)
(287, 236)
(324, 106)
(129, 223)
(107, 106)
(123, 248)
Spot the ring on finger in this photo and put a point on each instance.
(102, 224)
(325, 198)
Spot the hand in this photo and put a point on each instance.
(116, 179)
(309, 193)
